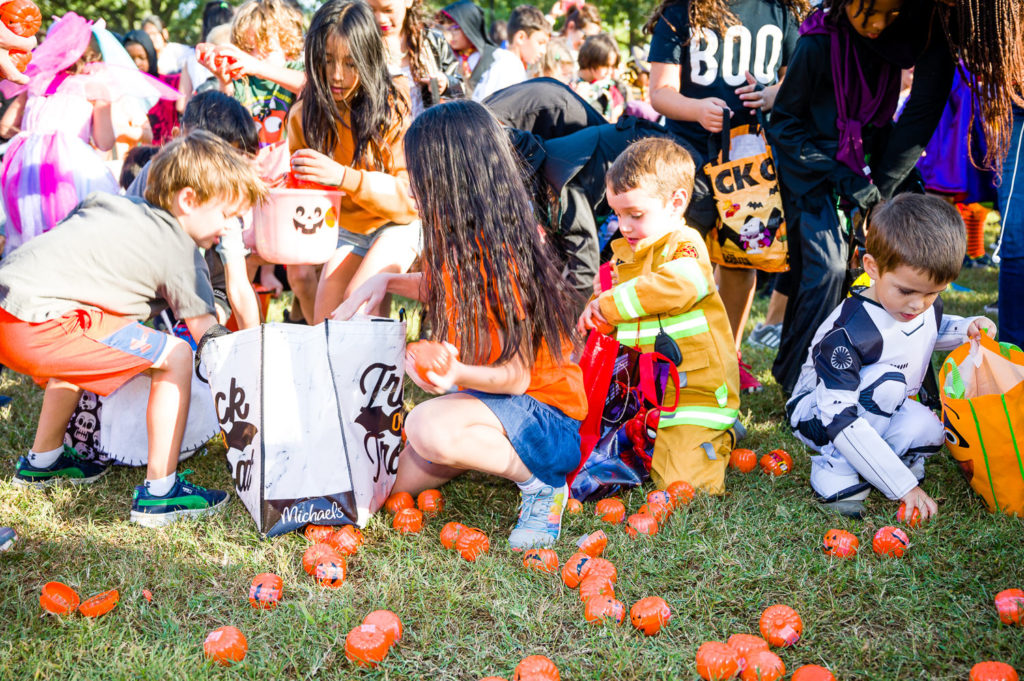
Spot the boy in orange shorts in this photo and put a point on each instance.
(71, 302)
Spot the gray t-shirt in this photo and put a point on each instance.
(113, 253)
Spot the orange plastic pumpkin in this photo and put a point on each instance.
(450, 534)
(840, 544)
(890, 541)
(593, 544)
(330, 573)
(429, 356)
(573, 506)
(777, 462)
(366, 645)
(318, 533)
(743, 460)
(600, 567)
(610, 510)
(716, 661)
(398, 501)
(641, 523)
(225, 646)
(781, 625)
(813, 672)
(430, 502)
(682, 492)
(22, 17)
(472, 543)
(915, 516)
(388, 622)
(745, 644)
(265, 591)
(595, 585)
(573, 570)
(602, 608)
(660, 511)
(763, 665)
(1010, 606)
(536, 668)
(317, 552)
(100, 604)
(661, 496)
(59, 598)
(993, 671)
(543, 560)
(650, 614)
(20, 59)
(346, 540)
(148, 595)
(408, 521)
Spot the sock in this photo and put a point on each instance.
(45, 459)
(534, 484)
(161, 486)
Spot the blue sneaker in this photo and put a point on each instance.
(69, 467)
(185, 500)
(540, 518)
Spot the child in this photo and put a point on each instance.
(599, 61)
(71, 301)
(163, 116)
(485, 67)
(665, 284)
(528, 35)
(870, 355)
(346, 131)
(491, 288)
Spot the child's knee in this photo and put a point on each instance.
(427, 432)
(302, 278)
(177, 357)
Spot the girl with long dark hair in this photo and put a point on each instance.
(346, 131)
(163, 116)
(493, 291)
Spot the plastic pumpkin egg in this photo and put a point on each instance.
(398, 501)
(745, 644)
(1010, 606)
(346, 540)
(450, 534)
(573, 570)
(225, 646)
(716, 661)
(472, 543)
(777, 462)
(763, 665)
(429, 356)
(100, 604)
(388, 622)
(20, 59)
(59, 598)
(781, 626)
(641, 523)
(661, 496)
(813, 672)
(573, 506)
(265, 591)
(318, 533)
(993, 671)
(891, 542)
(600, 567)
(603, 608)
(148, 595)
(840, 544)
(408, 521)
(330, 572)
(536, 668)
(682, 492)
(915, 516)
(650, 614)
(542, 560)
(743, 460)
(430, 502)
(610, 510)
(22, 17)
(661, 512)
(593, 544)
(595, 585)
(317, 552)
(366, 645)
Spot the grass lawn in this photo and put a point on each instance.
(718, 563)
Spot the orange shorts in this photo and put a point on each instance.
(91, 349)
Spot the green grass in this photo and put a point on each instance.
(718, 563)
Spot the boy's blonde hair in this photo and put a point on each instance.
(207, 164)
(257, 22)
(655, 164)
(920, 231)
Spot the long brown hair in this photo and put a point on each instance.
(716, 15)
(414, 27)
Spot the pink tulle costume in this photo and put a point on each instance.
(49, 167)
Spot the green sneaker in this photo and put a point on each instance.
(185, 500)
(69, 467)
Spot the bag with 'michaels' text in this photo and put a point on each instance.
(312, 418)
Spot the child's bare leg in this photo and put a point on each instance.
(776, 308)
(167, 412)
(59, 401)
(416, 474)
(302, 279)
(736, 287)
(393, 253)
(334, 282)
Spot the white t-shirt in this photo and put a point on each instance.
(506, 69)
(172, 59)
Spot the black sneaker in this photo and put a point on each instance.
(69, 467)
(185, 500)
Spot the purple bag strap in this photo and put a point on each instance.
(647, 385)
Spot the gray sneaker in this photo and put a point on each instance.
(766, 335)
(540, 518)
(851, 508)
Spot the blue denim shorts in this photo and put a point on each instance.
(360, 243)
(546, 440)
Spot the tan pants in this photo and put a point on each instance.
(679, 454)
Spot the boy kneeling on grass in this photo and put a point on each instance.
(71, 302)
(869, 357)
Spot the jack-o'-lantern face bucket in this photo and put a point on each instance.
(982, 388)
(297, 226)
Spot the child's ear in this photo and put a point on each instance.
(680, 199)
(175, 131)
(186, 200)
(870, 266)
